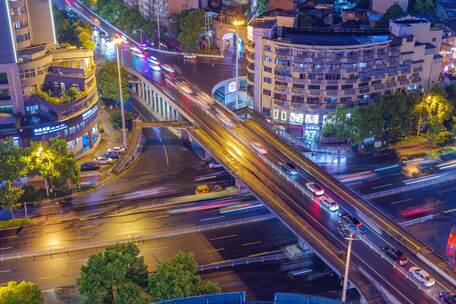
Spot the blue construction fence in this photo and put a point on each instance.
(239, 298)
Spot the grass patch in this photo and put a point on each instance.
(12, 223)
(410, 140)
(443, 151)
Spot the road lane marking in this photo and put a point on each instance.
(6, 248)
(449, 210)
(258, 254)
(252, 243)
(382, 186)
(161, 216)
(5, 271)
(9, 237)
(215, 250)
(401, 201)
(212, 218)
(49, 277)
(87, 227)
(223, 237)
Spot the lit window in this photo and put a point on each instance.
(275, 114)
(312, 119)
(283, 116)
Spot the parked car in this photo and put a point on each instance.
(118, 149)
(102, 160)
(214, 165)
(315, 188)
(89, 166)
(396, 255)
(422, 276)
(112, 154)
(328, 203)
(288, 168)
(447, 297)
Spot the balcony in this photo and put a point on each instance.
(251, 67)
(298, 91)
(315, 92)
(281, 103)
(282, 89)
(349, 91)
(331, 93)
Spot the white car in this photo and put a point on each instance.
(422, 276)
(328, 203)
(153, 60)
(259, 148)
(167, 68)
(190, 56)
(315, 188)
(117, 149)
(101, 160)
(214, 165)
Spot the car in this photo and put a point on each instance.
(184, 87)
(350, 220)
(112, 154)
(447, 297)
(421, 276)
(135, 49)
(315, 188)
(190, 56)
(328, 203)
(153, 60)
(101, 160)
(259, 148)
(89, 166)
(288, 168)
(167, 68)
(214, 165)
(396, 255)
(118, 149)
(155, 67)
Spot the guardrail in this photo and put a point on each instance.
(93, 244)
(410, 187)
(243, 261)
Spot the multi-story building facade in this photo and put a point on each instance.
(164, 9)
(45, 91)
(296, 76)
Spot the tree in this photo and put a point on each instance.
(365, 122)
(190, 26)
(117, 119)
(117, 275)
(261, 7)
(307, 20)
(337, 124)
(53, 162)
(22, 293)
(108, 80)
(86, 41)
(422, 6)
(9, 197)
(177, 277)
(393, 12)
(364, 4)
(432, 111)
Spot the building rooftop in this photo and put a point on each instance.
(263, 23)
(333, 37)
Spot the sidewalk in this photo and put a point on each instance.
(112, 136)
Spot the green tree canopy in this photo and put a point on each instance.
(338, 124)
(22, 293)
(108, 80)
(392, 13)
(422, 6)
(177, 277)
(261, 7)
(53, 161)
(433, 111)
(190, 26)
(117, 275)
(12, 165)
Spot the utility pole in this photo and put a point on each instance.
(122, 113)
(350, 239)
(157, 11)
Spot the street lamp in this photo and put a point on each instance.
(117, 42)
(237, 23)
(350, 237)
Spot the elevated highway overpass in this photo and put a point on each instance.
(228, 138)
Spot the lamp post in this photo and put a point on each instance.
(117, 41)
(350, 237)
(237, 23)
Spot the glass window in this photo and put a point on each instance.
(267, 79)
(266, 92)
(275, 114)
(312, 118)
(3, 78)
(283, 116)
(267, 69)
(296, 118)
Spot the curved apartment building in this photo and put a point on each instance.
(45, 91)
(296, 76)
